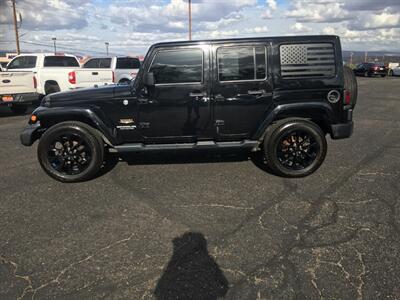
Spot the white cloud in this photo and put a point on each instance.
(300, 28)
(48, 14)
(318, 11)
(384, 19)
(272, 4)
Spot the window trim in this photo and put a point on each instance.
(176, 50)
(255, 67)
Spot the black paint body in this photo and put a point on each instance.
(222, 111)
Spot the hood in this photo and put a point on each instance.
(84, 95)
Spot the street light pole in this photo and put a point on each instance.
(16, 26)
(54, 42)
(190, 19)
(107, 44)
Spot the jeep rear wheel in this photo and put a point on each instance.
(294, 148)
(71, 152)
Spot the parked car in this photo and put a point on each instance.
(124, 68)
(371, 69)
(52, 73)
(394, 69)
(279, 96)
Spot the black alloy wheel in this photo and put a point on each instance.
(294, 147)
(69, 154)
(297, 150)
(71, 151)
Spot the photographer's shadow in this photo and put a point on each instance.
(191, 273)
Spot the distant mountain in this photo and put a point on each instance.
(370, 56)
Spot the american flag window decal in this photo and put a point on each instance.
(307, 60)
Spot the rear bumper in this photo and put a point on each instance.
(343, 130)
(30, 134)
(25, 98)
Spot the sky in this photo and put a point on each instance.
(131, 26)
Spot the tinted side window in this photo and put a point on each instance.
(92, 63)
(128, 63)
(178, 66)
(23, 62)
(60, 61)
(105, 63)
(307, 60)
(241, 63)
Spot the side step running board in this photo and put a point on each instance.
(140, 147)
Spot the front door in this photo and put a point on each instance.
(242, 91)
(177, 107)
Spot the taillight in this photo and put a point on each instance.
(347, 97)
(72, 77)
(34, 82)
(113, 76)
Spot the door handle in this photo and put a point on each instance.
(257, 92)
(95, 73)
(196, 94)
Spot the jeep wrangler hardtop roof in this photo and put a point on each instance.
(310, 38)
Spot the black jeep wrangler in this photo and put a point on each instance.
(278, 95)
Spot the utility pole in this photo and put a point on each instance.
(107, 44)
(366, 56)
(16, 26)
(190, 19)
(54, 42)
(351, 58)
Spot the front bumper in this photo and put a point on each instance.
(30, 134)
(26, 98)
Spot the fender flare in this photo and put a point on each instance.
(282, 109)
(54, 115)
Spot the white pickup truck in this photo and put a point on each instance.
(124, 68)
(30, 76)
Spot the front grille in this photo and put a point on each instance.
(307, 60)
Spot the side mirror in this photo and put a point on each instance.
(149, 79)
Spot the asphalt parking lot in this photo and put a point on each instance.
(195, 226)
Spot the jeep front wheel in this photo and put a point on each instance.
(71, 152)
(294, 148)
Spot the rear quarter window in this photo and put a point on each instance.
(60, 61)
(307, 60)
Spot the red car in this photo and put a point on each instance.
(371, 69)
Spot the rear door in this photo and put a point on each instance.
(177, 108)
(242, 90)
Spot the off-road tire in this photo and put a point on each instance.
(19, 109)
(281, 128)
(350, 85)
(90, 137)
